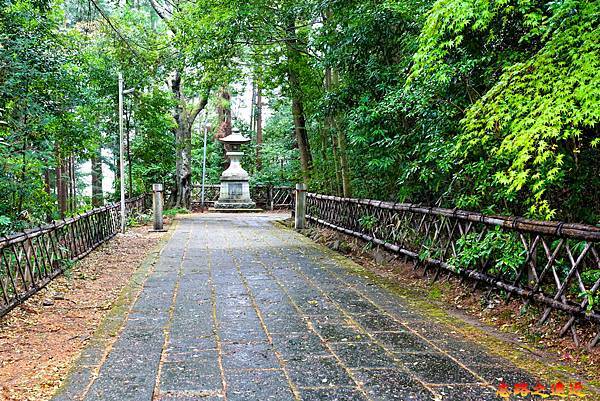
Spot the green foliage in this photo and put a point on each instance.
(593, 299)
(428, 249)
(175, 211)
(368, 221)
(58, 94)
(491, 106)
(153, 146)
(541, 113)
(279, 158)
(34, 101)
(138, 220)
(589, 278)
(523, 77)
(434, 294)
(500, 252)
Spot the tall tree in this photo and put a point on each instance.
(97, 178)
(185, 114)
(258, 126)
(293, 48)
(198, 67)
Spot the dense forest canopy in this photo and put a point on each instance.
(477, 104)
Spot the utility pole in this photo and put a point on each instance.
(206, 129)
(122, 92)
(121, 153)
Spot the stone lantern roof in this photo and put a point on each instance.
(236, 138)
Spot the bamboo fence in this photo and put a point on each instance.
(555, 265)
(31, 259)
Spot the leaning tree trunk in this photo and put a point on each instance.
(302, 137)
(294, 57)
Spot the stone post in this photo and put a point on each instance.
(157, 206)
(300, 215)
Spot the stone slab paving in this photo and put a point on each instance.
(237, 309)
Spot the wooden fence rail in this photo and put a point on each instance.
(265, 196)
(31, 259)
(553, 264)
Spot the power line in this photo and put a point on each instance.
(109, 22)
(120, 35)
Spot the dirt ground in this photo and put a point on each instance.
(486, 309)
(42, 338)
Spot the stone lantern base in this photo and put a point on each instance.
(235, 195)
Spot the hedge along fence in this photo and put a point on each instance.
(553, 264)
(31, 259)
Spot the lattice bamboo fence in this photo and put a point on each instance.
(553, 264)
(31, 259)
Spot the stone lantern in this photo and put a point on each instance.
(235, 190)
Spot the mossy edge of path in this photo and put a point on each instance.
(521, 355)
(85, 367)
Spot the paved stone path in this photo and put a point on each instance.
(237, 309)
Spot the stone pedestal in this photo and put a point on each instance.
(157, 207)
(235, 190)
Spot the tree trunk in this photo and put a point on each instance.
(48, 189)
(23, 175)
(344, 167)
(185, 115)
(224, 113)
(61, 187)
(336, 162)
(97, 194)
(259, 128)
(332, 80)
(47, 185)
(294, 57)
(225, 119)
(184, 165)
(302, 137)
(324, 148)
(179, 116)
(253, 107)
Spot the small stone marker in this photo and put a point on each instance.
(157, 207)
(300, 212)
